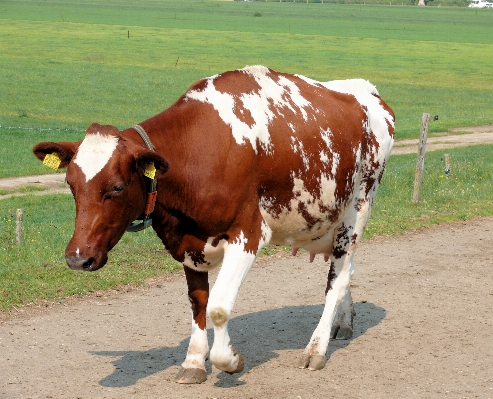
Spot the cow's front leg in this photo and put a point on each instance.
(236, 263)
(193, 368)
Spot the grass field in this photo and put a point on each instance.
(66, 64)
(37, 270)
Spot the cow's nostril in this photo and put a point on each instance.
(87, 264)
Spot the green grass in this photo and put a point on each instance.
(17, 159)
(465, 193)
(65, 64)
(37, 270)
(22, 190)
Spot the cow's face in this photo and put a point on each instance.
(105, 174)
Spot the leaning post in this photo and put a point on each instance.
(420, 163)
(18, 226)
(447, 164)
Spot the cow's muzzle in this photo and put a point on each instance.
(78, 263)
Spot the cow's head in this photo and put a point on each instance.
(106, 175)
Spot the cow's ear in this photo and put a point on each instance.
(55, 155)
(148, 160)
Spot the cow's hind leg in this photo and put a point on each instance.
(313, 356)
(346, 238)
(342, 327)
(193, 368)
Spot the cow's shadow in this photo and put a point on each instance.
(256, 335)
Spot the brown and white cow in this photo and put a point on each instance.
(243, 159)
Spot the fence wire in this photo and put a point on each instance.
(43, 129)
(397, 121)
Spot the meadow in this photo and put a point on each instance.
(65, 64)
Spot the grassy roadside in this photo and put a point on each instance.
(36, 270)
(22, 190)
(465, 193)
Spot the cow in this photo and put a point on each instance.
(243, 159)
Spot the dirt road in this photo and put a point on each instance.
(423, 330)
(474, 135)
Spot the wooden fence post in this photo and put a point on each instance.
(18, 226)
(420, 163)
(447, 164)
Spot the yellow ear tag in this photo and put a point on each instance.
(52, 161)
(150, 171)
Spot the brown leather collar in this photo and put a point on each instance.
(151, 184)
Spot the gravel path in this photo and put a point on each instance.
(422, 330)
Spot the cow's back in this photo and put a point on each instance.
(298, 147)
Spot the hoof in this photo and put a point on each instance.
(338, 332)
(345, 333)
(315, 362)
(190, 376)
(241, 363)
(304, 361)
(334, 330)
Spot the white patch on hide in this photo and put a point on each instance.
(326, 136)
(298, 148)
(290, 227)
(378, 118)
(213, 256)
(266, 236)
(280, 95)
(323, 157)
(94, 153)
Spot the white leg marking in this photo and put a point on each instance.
(236, 264)
(198, 348)
(344, 269)
(321, 336)
(343, 318)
